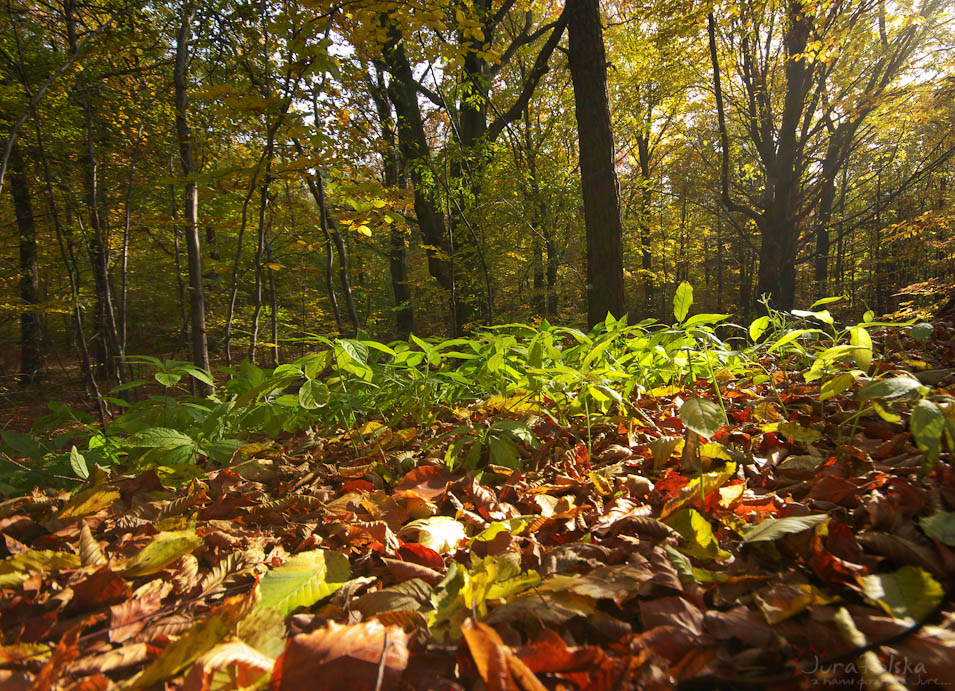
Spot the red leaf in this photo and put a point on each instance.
(419, 554)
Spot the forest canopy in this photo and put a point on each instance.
(230, 177)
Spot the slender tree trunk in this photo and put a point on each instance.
(553, 264)
(643, 222)
(260, 250)
(400, 283)
(110, 354)
(31, 355)
(273, 304)
(197, 308)
(236, 261)
(393, 177)
(719, 259)
(588, 68)
(342, 253)
(329, 253)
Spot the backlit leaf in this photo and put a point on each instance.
(303, 580)
(164, 549)
(702, 416)
(682, 301)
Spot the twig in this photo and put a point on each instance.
(381, 663)
(37, 470)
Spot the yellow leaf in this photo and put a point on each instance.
(17, 568)
(161, 552)
(88, 501)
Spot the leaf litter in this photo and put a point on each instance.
(748, 543)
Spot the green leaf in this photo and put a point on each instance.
(703, 319)
(165, 548)
(862, 354)
(700, 541)
(887, 388)
(303, 580)
(440, 533)
(159, 438)
(167, 379)
(806, 435)
(758, 328)
(836, 385)
(200, 374)
(940, 526)
(702, 416)
(792, 336)
(128, 385)
(823, 316)
(921, 331)
(312, 395)
(503, 452)
(927, 425)
(826, 301)
(424, 345)
(356, 350)
(682, 300)
(773, 528)
(910, 593)
(78, 464)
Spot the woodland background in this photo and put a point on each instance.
(235, 176)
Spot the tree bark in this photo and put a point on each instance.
(588, 69)
(197, 309)
(393, 177)
(31, 355)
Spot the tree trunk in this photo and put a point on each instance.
(588, 68)
(31, 356)
(393, 177)
(413, 144)
(197, 309)
(644, 222)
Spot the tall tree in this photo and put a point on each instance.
(833, 75)
(197, 305)
(598, 176)
(31, 358)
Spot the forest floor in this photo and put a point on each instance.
(624, 554)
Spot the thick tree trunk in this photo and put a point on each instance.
(197, 309)
(779, 230)
(588, 68)
(31, 356)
